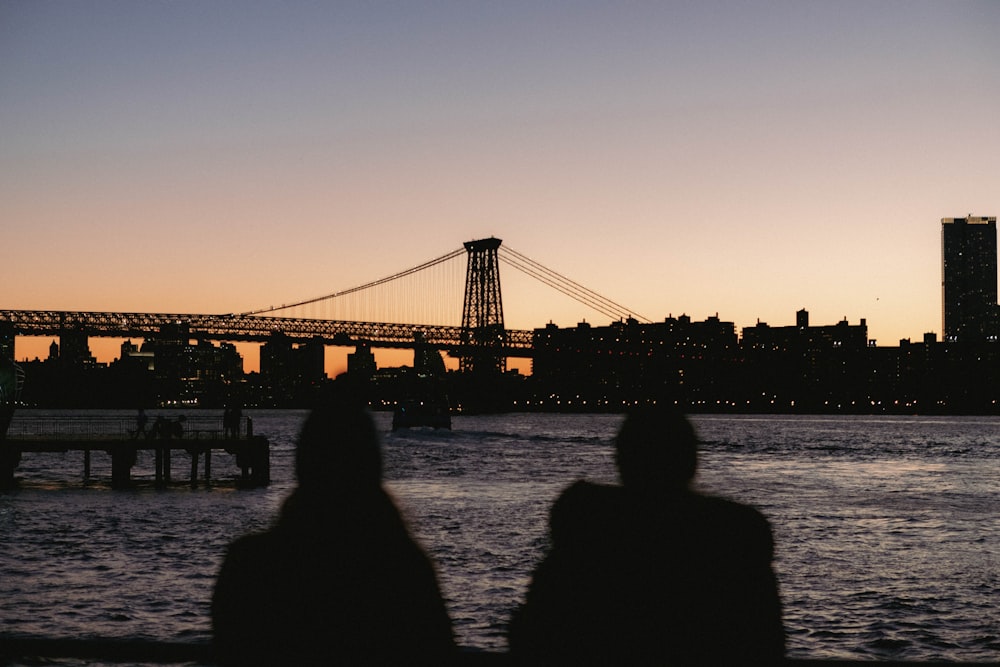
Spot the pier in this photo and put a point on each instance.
(120, 440)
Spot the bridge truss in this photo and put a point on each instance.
(481, 341)
(248, 328)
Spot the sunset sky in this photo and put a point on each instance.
(741, 158)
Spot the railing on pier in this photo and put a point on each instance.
(101, 428)
(121, 439)
(15, 647)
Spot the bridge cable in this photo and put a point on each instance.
(568, 286)
(375, 283)
(530, 271)
(572, 285)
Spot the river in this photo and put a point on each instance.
(888, 544)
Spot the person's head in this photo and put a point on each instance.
(338, 448)
(656, 449)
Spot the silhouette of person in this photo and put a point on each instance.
(140, 424)
(338, 578)
(231, 418)
(651, 572)
(177, 427)
(161, 428)
(237, 417)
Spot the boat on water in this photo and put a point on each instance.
(417, 413)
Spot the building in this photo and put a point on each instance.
(185, 371)
(630, 361)
(361, 362)
(969, 279)
(803, 337)
(282, 360)
(74, 349)
(805, 367)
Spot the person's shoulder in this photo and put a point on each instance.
(730, 510)
(585, 509)
(584, 496)
(740, 521)
(247, 550)
(586, 491)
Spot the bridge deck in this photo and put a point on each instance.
(253, 328)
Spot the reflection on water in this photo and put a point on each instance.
(887, 541)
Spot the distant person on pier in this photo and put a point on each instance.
(338, 579)
(177, 427)
(231, 418)
(651, 572)
(140, 425)
(161, 428)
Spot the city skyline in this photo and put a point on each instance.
(745, 159)
(971, 265)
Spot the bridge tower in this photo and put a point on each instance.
(483, 334)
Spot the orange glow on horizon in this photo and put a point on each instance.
(107, 350)
(190, 171)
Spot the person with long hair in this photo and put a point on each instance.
(338, 578)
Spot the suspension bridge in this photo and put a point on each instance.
(414, 307)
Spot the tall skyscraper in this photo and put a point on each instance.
(969, 278)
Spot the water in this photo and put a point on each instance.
(888, 545)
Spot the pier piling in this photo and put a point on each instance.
(252, 453)
(194, 467)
